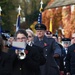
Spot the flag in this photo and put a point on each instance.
(40, 14)
(0, 24)
(40, 18)
(50, 26)
(18, 23)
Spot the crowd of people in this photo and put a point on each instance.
(43, 54)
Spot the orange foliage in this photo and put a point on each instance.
(56, 18)
(60, 17)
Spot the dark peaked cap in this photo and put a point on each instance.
(40, 27)
(66, 39)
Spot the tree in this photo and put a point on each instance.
(7, 6)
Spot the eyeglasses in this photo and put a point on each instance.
(72, 37)
(29, 36)
(23, 38)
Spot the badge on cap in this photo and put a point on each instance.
(39, 25)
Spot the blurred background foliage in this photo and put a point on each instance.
(30, 11)
(6, 6)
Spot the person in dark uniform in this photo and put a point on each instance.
(66, 42)
(31, 63)
(70, 58)
(49, 46)
(60, 59)
(4, 63)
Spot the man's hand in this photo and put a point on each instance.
(68, 73)
(56, 55)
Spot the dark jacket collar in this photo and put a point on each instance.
(36, 38)
(45, 39)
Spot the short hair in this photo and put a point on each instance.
(30, 31)
(22, 31)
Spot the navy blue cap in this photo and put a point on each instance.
(40, 27)
(66, 39)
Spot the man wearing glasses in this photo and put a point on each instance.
(70, 58)
(30, 64)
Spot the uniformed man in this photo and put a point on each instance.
(59, 60)
(70, 58)
(50, 48)
(65, 43)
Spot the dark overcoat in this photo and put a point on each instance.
(29, 65)
(4, 64)
(48, 45)
(70, 59)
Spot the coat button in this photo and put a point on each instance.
(20, 68)
(46, 49)
(46, 55)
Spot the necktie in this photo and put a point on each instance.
(66, 50)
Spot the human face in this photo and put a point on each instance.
(73, 38)
(30, 37)
(65, 45)
(40, 33)
(21, 38)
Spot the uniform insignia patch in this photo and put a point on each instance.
(39, 25)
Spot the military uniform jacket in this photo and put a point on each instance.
(29, 65)
(48, 45)
(70, 59)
